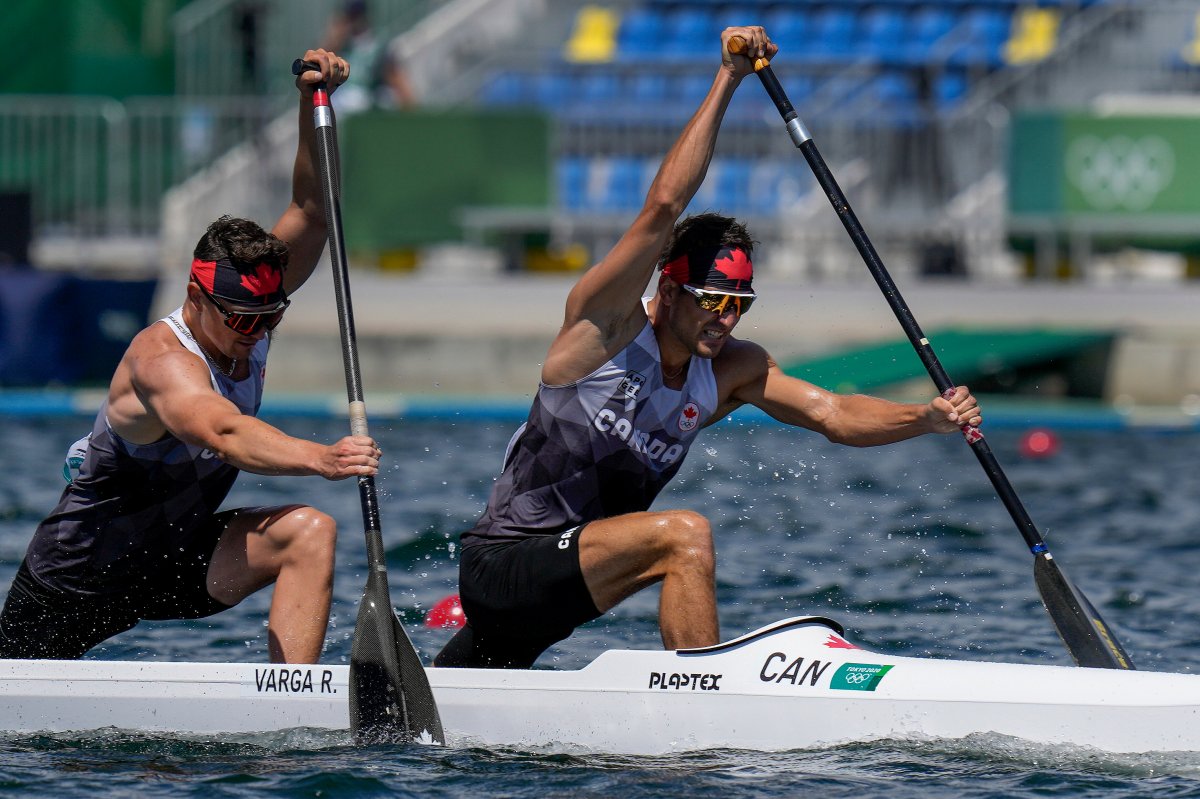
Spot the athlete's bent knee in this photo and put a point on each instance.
(688, 536)
(312, 536)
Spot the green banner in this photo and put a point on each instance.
(116, 48)
(1079, 163)
(406, 175)
(1121, 180)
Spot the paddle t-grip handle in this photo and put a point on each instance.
(762, 67)
(737, 46)
(300, 65)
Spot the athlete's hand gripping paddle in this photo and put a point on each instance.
(1087, 637)
(390, 695)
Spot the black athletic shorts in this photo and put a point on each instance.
(42, 622)
(519, 597)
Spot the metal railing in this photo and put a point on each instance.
(71, 155)
(99, 167)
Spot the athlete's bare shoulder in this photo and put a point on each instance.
(581, 348)
(154, 362)
(739, 363)
(742, 357)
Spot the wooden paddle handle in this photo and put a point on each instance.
(737, 45)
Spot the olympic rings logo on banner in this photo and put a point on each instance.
(1120, 173)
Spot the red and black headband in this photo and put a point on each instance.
(220, 278)
(724, 268)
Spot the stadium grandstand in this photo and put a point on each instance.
(988, 140)
(911, 101)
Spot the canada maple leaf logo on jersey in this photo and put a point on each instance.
(689, 417)
(264, 281)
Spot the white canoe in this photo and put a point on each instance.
(794, 684)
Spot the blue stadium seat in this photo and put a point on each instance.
(1186, 56)
(733, 189)
(892, 90)
(833, 35)
(595, 87)
(505, 88)
(925, 28)
(799, 87)
(883, 33)
(649, 170)
(551, 91)
(949, 89)
(571, 179)
(691, 89)
(690, 33)
(641, 33)
(841, 90)
(742, 14)
(749, 104)
(889, 98)
(985, 31)
(788, 28)
(623, 185)
(705, 198)
(648, 88)
(777, 185)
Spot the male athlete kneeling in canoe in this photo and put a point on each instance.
(137, 534)
(626, 387)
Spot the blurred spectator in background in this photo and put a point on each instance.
(381, 81)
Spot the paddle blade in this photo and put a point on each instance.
(1078, 623)
(390, 696)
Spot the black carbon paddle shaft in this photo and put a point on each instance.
(390, 695)
(1086, 636)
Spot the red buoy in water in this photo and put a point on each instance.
(447, 612)
(1039, 444)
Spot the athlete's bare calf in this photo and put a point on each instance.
(293, 547)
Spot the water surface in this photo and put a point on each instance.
(904, 545)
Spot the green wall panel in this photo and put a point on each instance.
(117, 48)
(1079, 164)
(406, 175)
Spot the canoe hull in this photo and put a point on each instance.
(794, 684)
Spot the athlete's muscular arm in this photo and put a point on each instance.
(603, 310)
(175, 387)
(302, 225)
(746, 374)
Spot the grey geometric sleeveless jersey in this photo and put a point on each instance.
(130, 503)
(600, 447)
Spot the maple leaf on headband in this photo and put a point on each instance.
(264, 281)
(735, 265)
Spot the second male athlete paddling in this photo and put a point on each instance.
(626, 387)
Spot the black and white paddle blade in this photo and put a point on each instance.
(1084, 633)
(390, 696)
